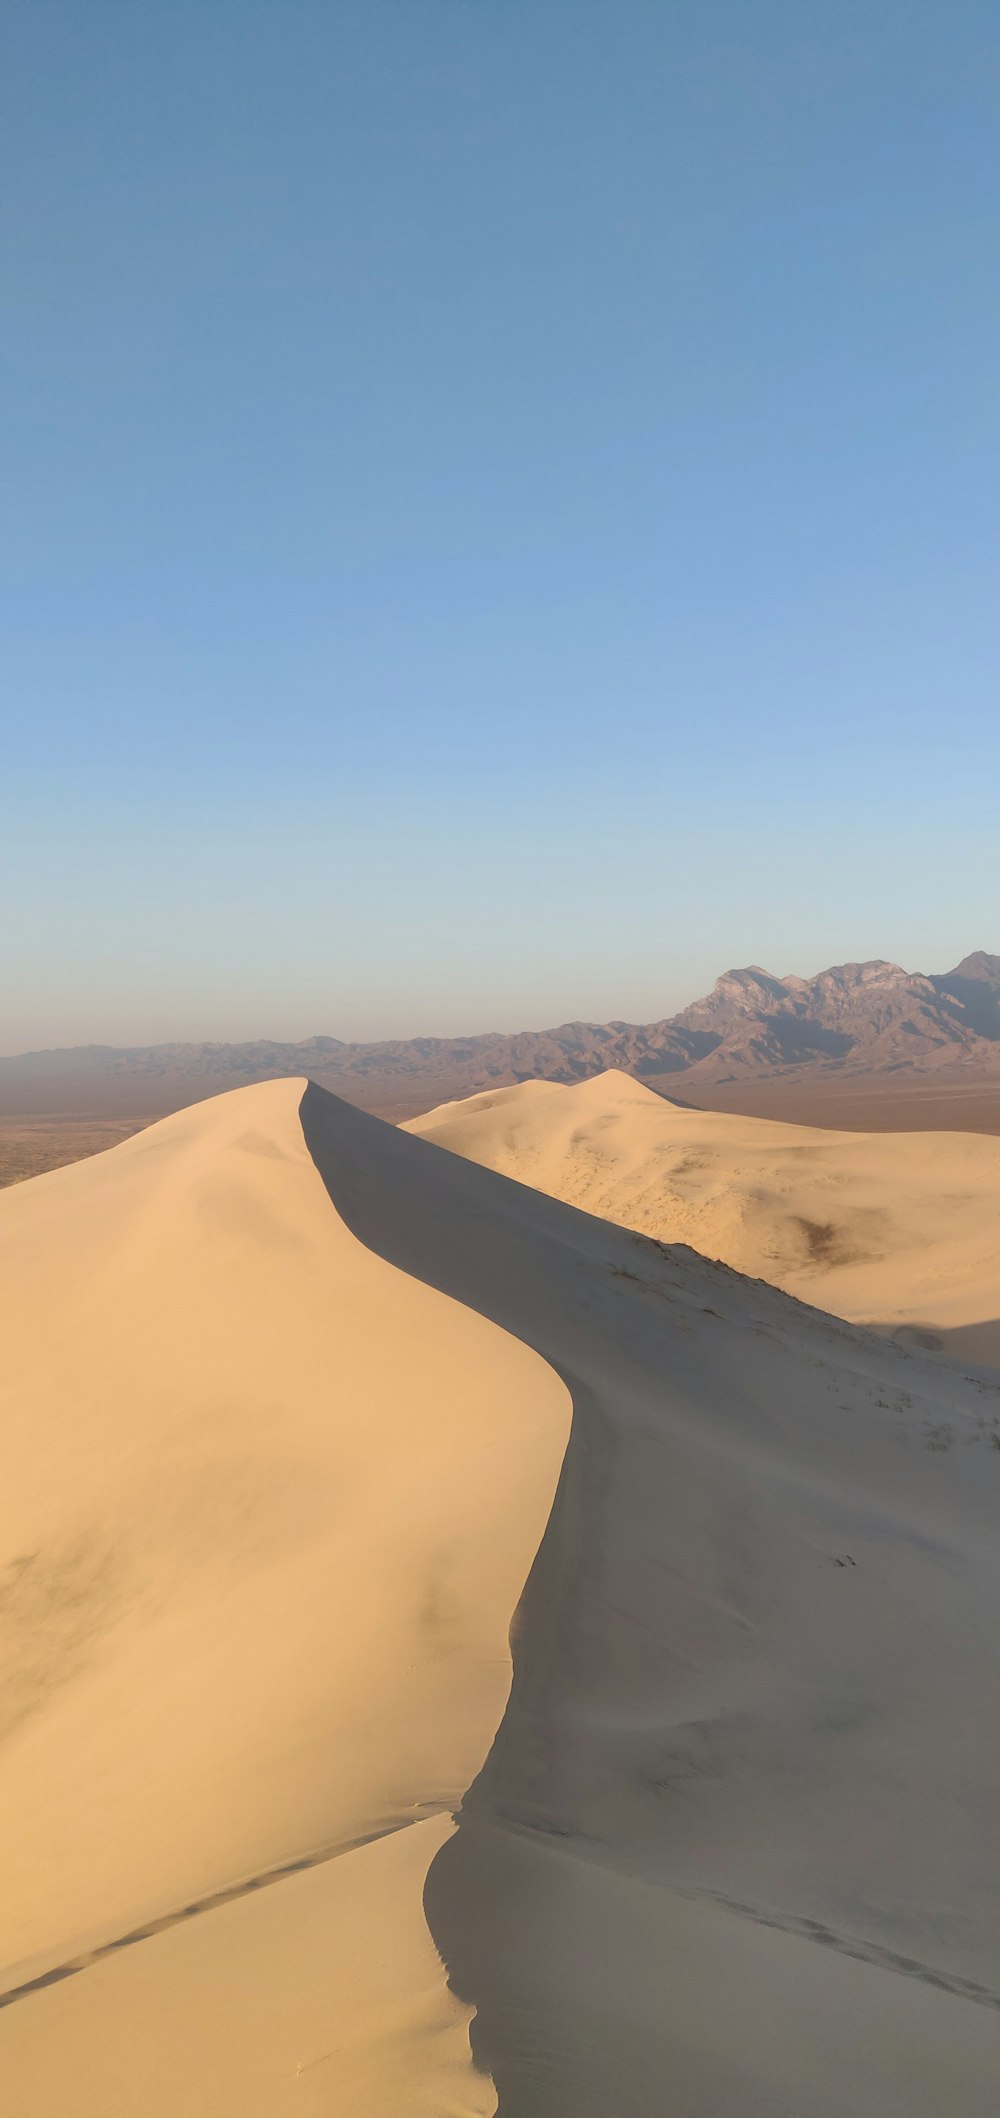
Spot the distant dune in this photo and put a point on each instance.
(304, 1417)
(900, 1231)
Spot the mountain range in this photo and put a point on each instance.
(857, 1022)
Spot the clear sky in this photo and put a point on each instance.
(501, 506)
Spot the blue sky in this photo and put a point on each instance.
(501, 506)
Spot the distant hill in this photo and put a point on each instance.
(867, 1016)
(856, 1022)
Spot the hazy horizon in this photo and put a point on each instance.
(462, 1027)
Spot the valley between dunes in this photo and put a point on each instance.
(463, 1657)
(897, 1231)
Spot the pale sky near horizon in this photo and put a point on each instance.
(501, 509)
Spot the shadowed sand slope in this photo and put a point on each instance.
(733, 1848)
(900, 1231)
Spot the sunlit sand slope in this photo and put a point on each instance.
(732, 1850)
(268, 1507)
(897, 1230)
(319, 1995)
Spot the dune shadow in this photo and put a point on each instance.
(695, 1540)
(485, 1895)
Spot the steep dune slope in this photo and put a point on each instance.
(732, 1849)
(268, 1507)
(735, 1833)
(900, 1231)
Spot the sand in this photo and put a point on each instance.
(900, 1232)
(268, 1507)
(287, 1433)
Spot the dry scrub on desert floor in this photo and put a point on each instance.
(31, 1146)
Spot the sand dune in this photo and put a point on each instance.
(897, 1231)
(269, 1506)
(287, 1397)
